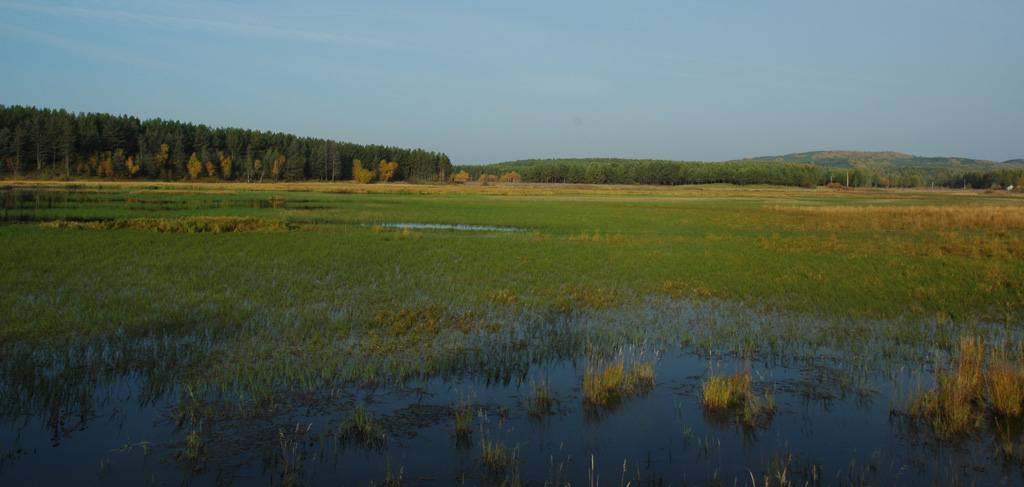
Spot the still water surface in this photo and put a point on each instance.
(820, 435)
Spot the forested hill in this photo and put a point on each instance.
(56, 143)
(868, 169)
(887, 160)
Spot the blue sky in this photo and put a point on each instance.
(488, 82)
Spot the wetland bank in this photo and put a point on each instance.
(402, 334)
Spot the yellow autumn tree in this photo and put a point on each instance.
(511, 177)
(131, 166)
(461, 177)
(194, 167)
(278, 168)
(257, 168)
(225, 165)
(361, 175)
(386, 170)
(106, 166)
(162, 157)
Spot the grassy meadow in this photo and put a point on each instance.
(233, 300)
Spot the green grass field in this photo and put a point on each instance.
(236, 296)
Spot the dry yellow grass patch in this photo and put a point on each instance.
(999, 217)
(199, 224)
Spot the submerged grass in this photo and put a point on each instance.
(361, 428)
(463, 421)
(191, 452)
(540, 401)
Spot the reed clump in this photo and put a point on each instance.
(361, 427)
(1005, 383)
(192, 450)
(978, 383)
(606, 385)
(496, 456)
(540, 402)
(464, 421)
(733, 394)
(723, 392)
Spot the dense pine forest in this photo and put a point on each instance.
(48, 143)
(56, 143)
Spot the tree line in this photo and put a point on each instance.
(53, 143)
(658, 172)
(615, 171)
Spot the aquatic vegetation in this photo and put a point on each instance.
(1004, 381)
(392, 479)
(360, 427)
(504, 296)
(495, 455)
(734, 394)
(607, 384)
(778, 474)
(288, 459)
(569, 299)
(464, 421)
(191, 452)
(723, 392)
(540, 401)
(980, 380)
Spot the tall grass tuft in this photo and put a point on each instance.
(949, 410)
(495, 455)
(1004, 381)
(361, 427)
(723, 392)
(540, 402)
(464, 421)
(192, 450)
(955, 406)
(734, 394)
(607, 384)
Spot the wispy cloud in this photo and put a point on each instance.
(79, 47)
(201, 24)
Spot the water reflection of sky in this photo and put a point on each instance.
(663, 435)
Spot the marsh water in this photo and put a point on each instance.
(822, 433)
(838, 417)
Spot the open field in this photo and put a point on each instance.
(310, 332)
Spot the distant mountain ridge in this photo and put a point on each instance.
(885, 160)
